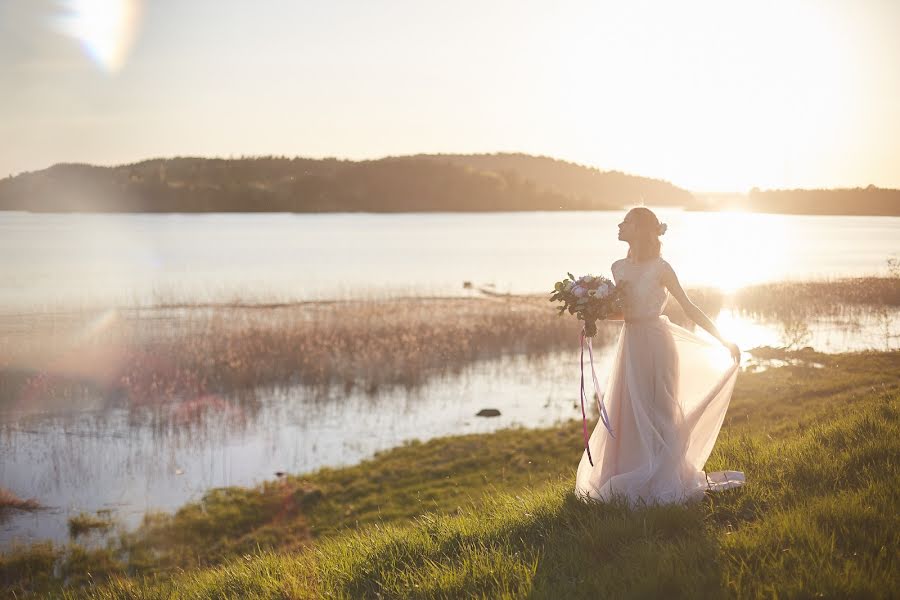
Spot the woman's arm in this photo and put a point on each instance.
(670, 280)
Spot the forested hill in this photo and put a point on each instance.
(576, 180)
(496, 182)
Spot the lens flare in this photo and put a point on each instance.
(106, 29)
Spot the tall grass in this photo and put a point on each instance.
(9, 502)
(152, 355)
(214, 350)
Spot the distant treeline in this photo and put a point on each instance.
(277, 184)
(424, 182)
(858, 201)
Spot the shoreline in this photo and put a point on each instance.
(456, 474)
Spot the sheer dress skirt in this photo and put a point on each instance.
(667, 395)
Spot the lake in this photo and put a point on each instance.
(64, 260)
(132, 459)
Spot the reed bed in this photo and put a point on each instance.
(191, 353)
(9, 501)
(85, 522)
(148, 356)
(831, 298)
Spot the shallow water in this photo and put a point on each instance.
(135, 459)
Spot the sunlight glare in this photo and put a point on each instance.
(744, 331)
(733, 249)
(746, 114)
(106, 28)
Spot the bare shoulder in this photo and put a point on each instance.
(665, 267)
(670, 280)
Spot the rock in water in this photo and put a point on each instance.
(488, 412)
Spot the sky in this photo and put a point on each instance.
(710, 95)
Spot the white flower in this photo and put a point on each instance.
(603, 290)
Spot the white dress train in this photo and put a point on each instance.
(666, 397)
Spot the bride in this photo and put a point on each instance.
(668, 388)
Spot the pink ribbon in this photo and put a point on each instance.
(604, 417)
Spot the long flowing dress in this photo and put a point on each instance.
(666, 397)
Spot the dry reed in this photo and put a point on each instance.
(151, 355)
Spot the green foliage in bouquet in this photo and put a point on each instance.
(590, 298)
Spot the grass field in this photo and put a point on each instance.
(494, 516)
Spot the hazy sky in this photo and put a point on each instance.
(717, 95)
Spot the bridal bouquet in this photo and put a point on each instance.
(589, 298)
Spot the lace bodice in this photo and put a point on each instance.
(647, 296)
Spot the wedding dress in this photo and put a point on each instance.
(666, 398)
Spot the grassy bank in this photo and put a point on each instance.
(493, 515)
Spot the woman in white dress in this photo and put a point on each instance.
(668, 388)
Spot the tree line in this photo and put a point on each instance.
(419, 183)
(280, 184)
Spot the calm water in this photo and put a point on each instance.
(115, 259)
(132, 460)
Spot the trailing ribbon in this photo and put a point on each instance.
(587, 446)
(603, 415)
(598, 392)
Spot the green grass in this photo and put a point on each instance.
(494, 516)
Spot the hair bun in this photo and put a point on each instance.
(662, 229)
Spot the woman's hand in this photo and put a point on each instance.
(735, 351)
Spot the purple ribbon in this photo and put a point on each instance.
(598, 391)
(587, 446)
(604, 417)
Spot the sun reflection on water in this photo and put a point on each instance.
(736, 248)
(745, 332)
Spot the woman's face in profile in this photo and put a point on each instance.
(627, 228)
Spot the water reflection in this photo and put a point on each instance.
(142, 458)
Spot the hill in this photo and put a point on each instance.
(278, 184)
(418, 183)
(869, 201)
(574, 180)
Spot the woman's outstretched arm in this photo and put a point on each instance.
(670, 280)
